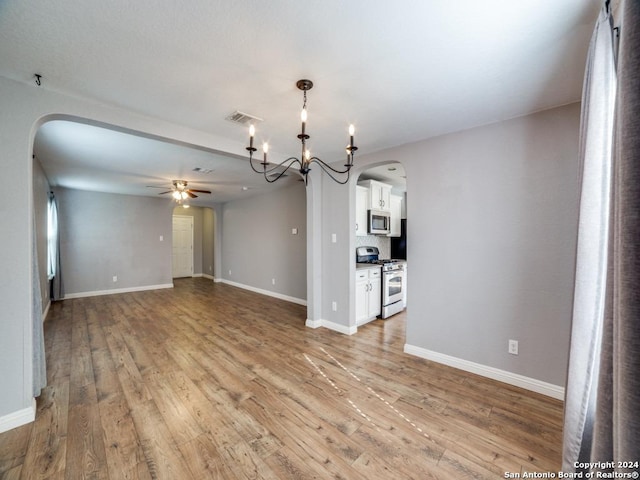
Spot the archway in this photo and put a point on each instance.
(390, 177)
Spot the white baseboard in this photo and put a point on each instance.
(19, 418)
(218, 280)
(210, 277)
(117, 290)
(548, 389)
(299, 301)
(313, 323)
(331, 326)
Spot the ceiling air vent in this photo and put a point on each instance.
(243, 119)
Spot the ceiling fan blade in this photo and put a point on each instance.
(199, 191)
(192, 195)
(168, 191)
(156, 186)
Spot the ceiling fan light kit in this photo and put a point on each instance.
(180, 192)
(304, 162)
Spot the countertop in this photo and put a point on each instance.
(360, 266)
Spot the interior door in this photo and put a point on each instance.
(182, 251)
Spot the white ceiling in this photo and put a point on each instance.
(400, 71)
(391, 173)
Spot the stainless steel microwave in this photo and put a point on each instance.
(379, 222)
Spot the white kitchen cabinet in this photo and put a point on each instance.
(375, 293)
(379, 195)
(396, 216)
(362, 200)
(368, 294)
(362, 298)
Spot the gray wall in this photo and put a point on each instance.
(24, 108)
(103, 234)
(337, 216)
(208, 241)
(493, 222)
(41, 190)
(257, 244)
(524, 199)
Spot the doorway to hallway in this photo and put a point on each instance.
(182, 249)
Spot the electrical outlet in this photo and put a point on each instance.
(334, 238)
(513, 347)
(229, 272)
(334, 306)
(115, 278)
(273, 281)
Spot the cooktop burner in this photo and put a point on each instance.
(370, 255)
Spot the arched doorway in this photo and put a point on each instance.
(380, 197)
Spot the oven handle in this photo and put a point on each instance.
(394, 273)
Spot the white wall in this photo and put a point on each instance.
(258, 246)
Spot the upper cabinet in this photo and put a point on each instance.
(379, 195)
(375, 195)
(373, 192)
(396, 216)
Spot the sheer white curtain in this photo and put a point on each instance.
(54, 271)
(39, 364)
(596, 146)
(602, 404)
(52, 236)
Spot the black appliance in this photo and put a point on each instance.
(399, 244)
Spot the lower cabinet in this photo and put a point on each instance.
(368, 294)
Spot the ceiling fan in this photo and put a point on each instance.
(179, 191)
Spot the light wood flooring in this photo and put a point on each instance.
(210, 381)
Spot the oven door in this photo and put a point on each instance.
(392, 287)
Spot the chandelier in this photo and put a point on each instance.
(303, 164)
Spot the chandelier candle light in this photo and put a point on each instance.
(304, 162)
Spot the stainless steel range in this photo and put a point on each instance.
(394, 281)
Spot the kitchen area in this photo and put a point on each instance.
(381, 243)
